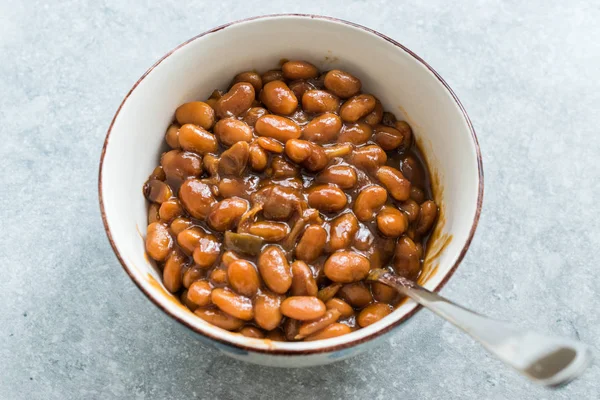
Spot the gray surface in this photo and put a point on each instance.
(72, 324)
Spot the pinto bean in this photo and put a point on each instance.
(311, 243)
(196, 198)
(197, 113)
(219, 318)
(428, 214)
(303, 282)
(342, 175)
(196, 139)
(322, 129)
(299, 70)
(346, 267)
(343, 308)
(357, 107)
(320, 101)
(357, 133)
(277, 127)
(251, 77)
(237, 100)
(230, 131)
(267, 313)
(226, 213)
(303, 308)
(391, 221)
(243, 277)
(275, 270)
(342, 84)
(396, 184)
(342, 232)
(279, 98)
(158, 241)
(406, 258)
(369, 201)
(334, 330)
(373, 313)
(173, 270)
(181, 165)
(327, 198)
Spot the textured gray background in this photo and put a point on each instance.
(72, 324)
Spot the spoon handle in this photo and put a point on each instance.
(547, 360)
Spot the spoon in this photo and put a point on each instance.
(549, 361)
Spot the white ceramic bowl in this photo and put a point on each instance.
(403, 82)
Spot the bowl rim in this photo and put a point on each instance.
(329, 348)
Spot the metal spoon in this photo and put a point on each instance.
(550, 361)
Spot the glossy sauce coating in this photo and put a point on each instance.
(276, 198)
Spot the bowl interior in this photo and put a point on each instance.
(404, 85)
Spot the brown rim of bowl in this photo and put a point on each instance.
(328, 348)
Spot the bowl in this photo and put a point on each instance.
(404, 83)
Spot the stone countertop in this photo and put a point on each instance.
(72, 324)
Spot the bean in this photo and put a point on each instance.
(172, 136)
(428, 215)
(233, 304)
(233, 161)
(277, 127)
(207, 251)
(158, 173)
(417, 194)
(375, 116)
(322, 129)
(197, 198)
(357, 133)
(368, 202)
(181, 165)
(252, 332)
(196, 139)
(271, 145)
(357, 107)
(219, 319)
(172, 272)
(309, 155)
(328, 292)
(394, 181)
(273, 75)
(343, 176)
(346, 267)
(229, 257)
(158, 241)
(368, 158)
(334, 330)
(192, 274)
(251, 77)
(257, 157)
(226, 214)
(413, 171)
(406, 258)
(253, 114)
(197, 113)
(383, 293)
(237, 100)
(179, 225)
(243, 277)
(310, 327)
(188, 239)
(342, 84)
(342, 232)
(184, 300)
(373, 313)
(341, 306)
(199, 293)
(218, 277)
(267, 314)
(303, 282)
(300, 87)
(303, 308)
(311, 244)
(406, 131)
(364, 239)
(235, 187)
(153, 213)
(420, 250)
(412, 210)
(157, 191)
(391, 221)
(269, 230)
(170, 209)
(211, 164)
(276, 335)
(320, 101)
(230, 131)
(299, 70)
(275, 270)
(327, 198)
(356, 294)
(388, 138)
(278, 98)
